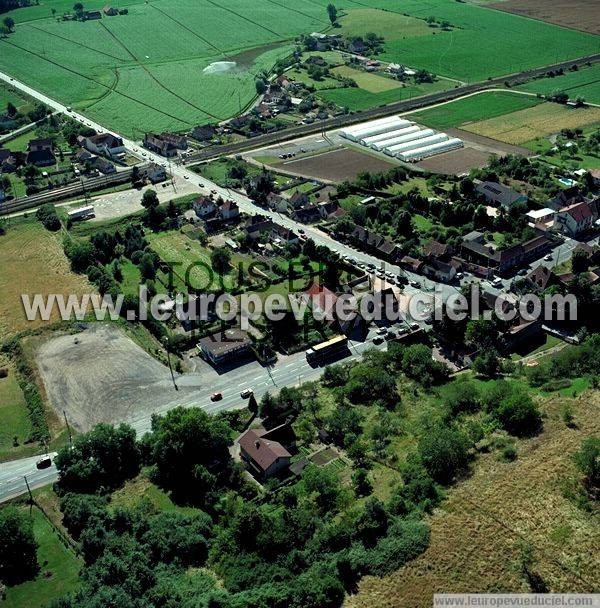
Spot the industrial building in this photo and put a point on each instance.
(401, 138)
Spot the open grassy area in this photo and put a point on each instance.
(473, 108)
(584, 82)
(13, 413)
(33, 262)
(59, 568)
(477, 533)
(368, 81)
(539, 121)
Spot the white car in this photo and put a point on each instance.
(548, 257)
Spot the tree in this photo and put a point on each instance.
(580, 261)
(47, 215)
(150, 199)
(99, 460)
(487, 363)
(9, 23)
(18, 548)
(147, 266)
(189, 449)
(253, 405)
(260, 85)
(220, 260)
(11, 109)
(332, 12)
(360, 481)
(444, 452)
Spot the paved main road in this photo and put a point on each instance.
(287, 374)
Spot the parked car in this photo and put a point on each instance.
(415, 283)
(43, 463)
(216, 397)
(245, 394)
(378, 339)
(522, 272)
(548, 257)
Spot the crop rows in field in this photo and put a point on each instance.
(144, 71)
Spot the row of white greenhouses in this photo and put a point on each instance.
(401, 138)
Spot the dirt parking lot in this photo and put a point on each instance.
(581, 15)
(336, 165)
(101, 375)
(475, 154)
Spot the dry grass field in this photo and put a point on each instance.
(478, 532)
(539, 121)
(32, 262)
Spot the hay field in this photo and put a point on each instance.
(476, 532)
(539, 121)
(33, 262)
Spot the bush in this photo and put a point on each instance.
(46, 214)
(518, 415)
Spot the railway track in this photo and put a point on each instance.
(69, 191)
(379, 112)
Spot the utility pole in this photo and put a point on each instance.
(68, 429)
(170, 367)
(28, 490)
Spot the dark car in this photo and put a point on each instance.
(43, 463)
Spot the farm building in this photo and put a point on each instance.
(416, 143)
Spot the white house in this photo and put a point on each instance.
(229, 210)
(575, 219)
(104, 144)
(204, 207)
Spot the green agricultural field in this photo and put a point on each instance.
(585, 82)
(474, 108)
(59, 569)
(355, 98)
(482, 42)
(153, 68)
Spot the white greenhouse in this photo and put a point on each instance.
(367, 141)
(388, 143)
(420, 153)
(417, 143)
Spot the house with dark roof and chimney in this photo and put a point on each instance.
(263, 456)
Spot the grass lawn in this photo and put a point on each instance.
(33, 262)
(59, 569)
(131, 277)
(422, 223)
(473, 108)
(368, 81)
(13, 413)
(584, 82)
(539, 121)
(303, 77)
(19, 143)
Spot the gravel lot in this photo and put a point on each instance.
(100, 375)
